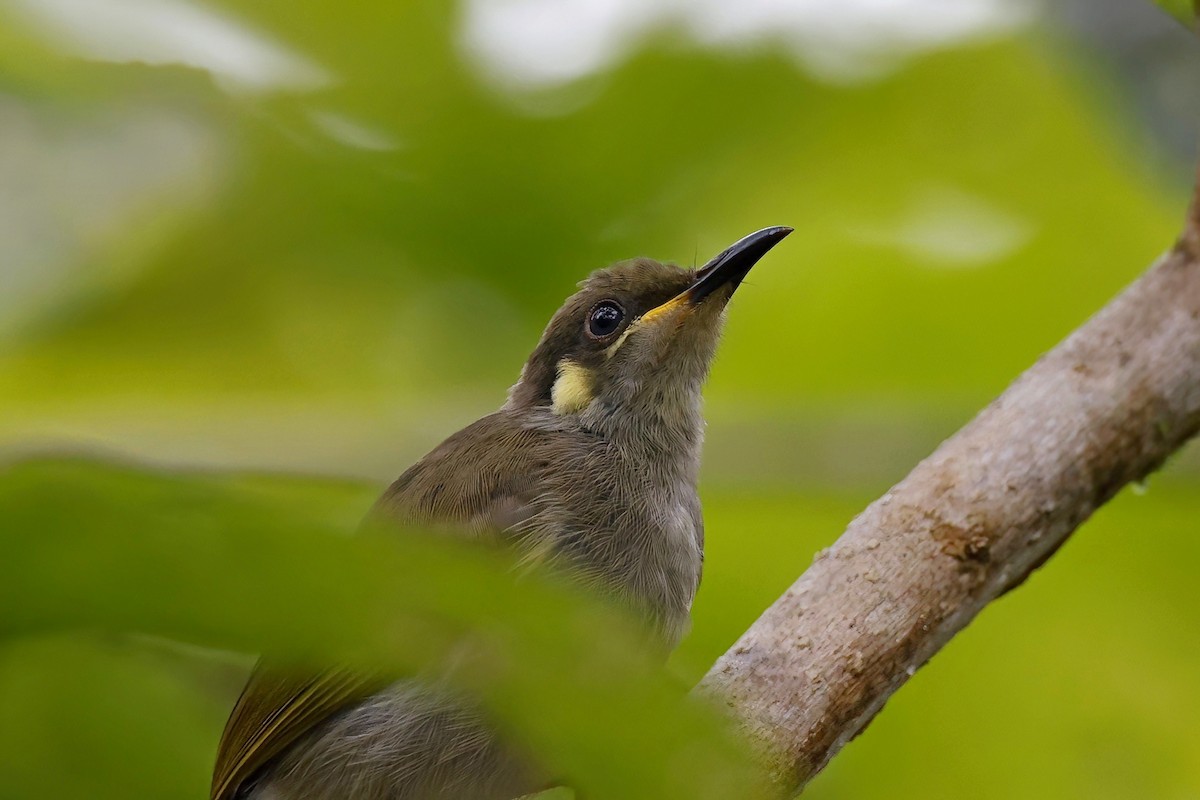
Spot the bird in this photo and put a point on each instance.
(591, 467)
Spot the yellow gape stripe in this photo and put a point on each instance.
(678, 301)
(615, 346)
(572, 390)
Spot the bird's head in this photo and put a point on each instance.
(633, 345)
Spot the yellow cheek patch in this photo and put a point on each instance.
(572, 390)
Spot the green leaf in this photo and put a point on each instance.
(1186, 11)
(254, 564)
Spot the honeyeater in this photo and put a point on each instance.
(591, 466)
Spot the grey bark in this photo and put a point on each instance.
(1107, 406)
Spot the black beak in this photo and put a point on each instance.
(731, 266)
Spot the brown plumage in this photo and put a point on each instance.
(591, 466)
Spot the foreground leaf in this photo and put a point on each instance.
(259, 565)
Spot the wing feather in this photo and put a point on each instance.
(481, 481)
(274, 710)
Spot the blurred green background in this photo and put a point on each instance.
(317, 238)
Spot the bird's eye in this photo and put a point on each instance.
(604, 318)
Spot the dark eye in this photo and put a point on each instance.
(604, 318)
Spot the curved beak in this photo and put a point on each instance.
(727, 268)
(732, 265)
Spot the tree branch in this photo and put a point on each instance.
(1105, 407)
(1191, 234)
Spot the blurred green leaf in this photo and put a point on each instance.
(341, 283)
(254, 565)
(1186, 11)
